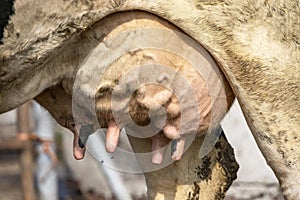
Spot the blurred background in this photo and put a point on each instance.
(31, 163)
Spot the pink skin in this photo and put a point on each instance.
(159, 142)
(112, 137)
(179, 149)
(78, 152)
(62, 113)
(150, 96)
(171, 131)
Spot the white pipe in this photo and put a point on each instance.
(96, 143)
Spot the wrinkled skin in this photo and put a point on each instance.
(144, 99)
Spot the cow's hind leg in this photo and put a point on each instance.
(279, 140)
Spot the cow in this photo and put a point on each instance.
(254, 43)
